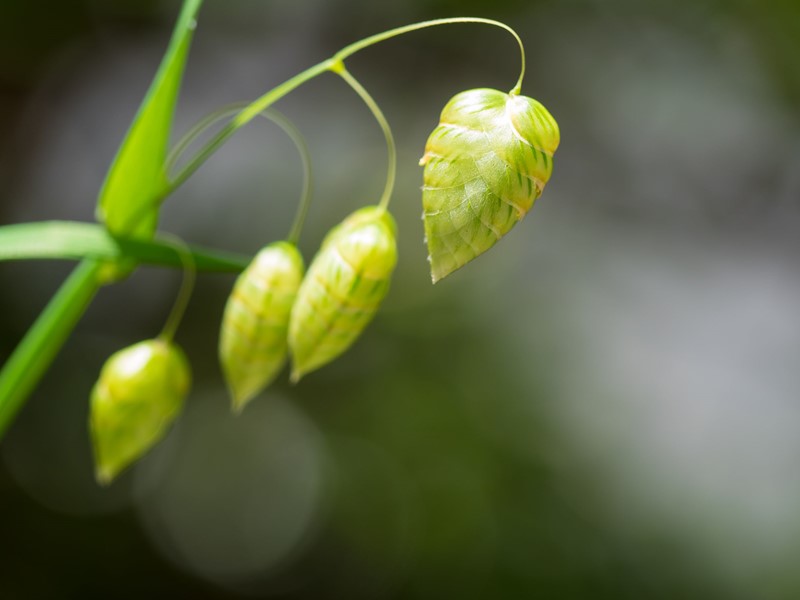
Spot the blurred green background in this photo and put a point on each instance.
(606, 405)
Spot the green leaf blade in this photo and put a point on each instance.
(75, 240)
(129, 199)
(33, 356)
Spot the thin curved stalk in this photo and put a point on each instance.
(329, 64)
(184, 293)
(391, 149)
(244, 116)
(288, 127)
(386, 35)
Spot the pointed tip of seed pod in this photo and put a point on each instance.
(238, 401)
(240, 397)
(438, 272)
(296, 375)
(104, 476)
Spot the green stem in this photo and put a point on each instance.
(185, 292)
(330, 64)
(37, 350)
(308, 180)
(244, 117)
(391, 150)
(380, 37)
(288, 128)
(201, 126)
(73, 240)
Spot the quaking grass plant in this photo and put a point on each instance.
(485, 164)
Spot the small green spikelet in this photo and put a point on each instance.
(343, 288)
(253, 346)
(485, 164)
(140, 391)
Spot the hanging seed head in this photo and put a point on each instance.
(343, 288)
(140, 391)
(485, 164)
(253, 346)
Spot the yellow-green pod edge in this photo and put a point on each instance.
(253, 337)
(140, 391)
(343, 288)
(486, 163)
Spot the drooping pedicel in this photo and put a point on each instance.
(343, 288)
(252, 345)
(485, 164)
(140, 391)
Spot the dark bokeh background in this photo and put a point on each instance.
(607, 405)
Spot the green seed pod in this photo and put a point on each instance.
(252, 346)
(343, 288)
(485, 164)
(140, 391)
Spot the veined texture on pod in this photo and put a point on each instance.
(485, 164)
(140, 391)
(343, 288)
(252, 344)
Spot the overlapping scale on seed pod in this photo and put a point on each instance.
(253, 338)
(485, 164)
(343, 288)
(140, 391)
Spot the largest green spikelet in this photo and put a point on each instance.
(485, 164)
